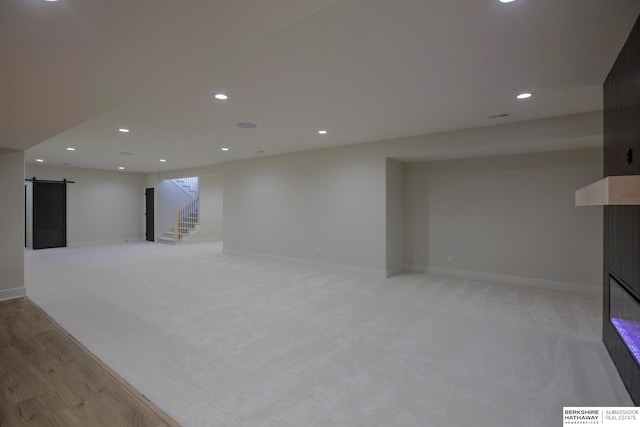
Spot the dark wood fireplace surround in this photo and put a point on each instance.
(622, 223)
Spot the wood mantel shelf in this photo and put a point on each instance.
(612, 190)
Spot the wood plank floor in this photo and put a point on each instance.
(49, 379)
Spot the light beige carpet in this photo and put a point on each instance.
(219, 340)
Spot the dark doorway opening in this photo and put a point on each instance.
(149, 215)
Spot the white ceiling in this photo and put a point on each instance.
(74, 71)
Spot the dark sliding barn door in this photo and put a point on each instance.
(49, 215)
(150, 233)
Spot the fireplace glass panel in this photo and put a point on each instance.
(624, 313)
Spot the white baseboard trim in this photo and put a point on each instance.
(105, 242)
(370, 272)
(13, 293)
(416, 268)
(502, 278)
(197, 239)
(395, 271)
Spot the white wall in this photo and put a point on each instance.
(12, 218)
(151, 180)
(211, 207)
(395, 216)
(102, 206)
(510, 215)
(326, 205)
(335, 199)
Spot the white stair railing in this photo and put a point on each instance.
(186, 218)
(188, 185)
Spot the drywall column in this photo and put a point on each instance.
(395, 217)
(211, 223)
(12, 224)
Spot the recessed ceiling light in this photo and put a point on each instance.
(71, 149)
(39, 160)
(247, 125)
(225, 149)
(124, 130)
(121, 168)
(221, 96)
(163, 160)
(323, 132)
(525, 95)
(507, 1)
(50, 0)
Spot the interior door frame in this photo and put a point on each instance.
(155, 209)
(28, 215)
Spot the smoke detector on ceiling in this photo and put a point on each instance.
(247, 125)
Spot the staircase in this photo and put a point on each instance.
(188, 185)
(186, 220)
